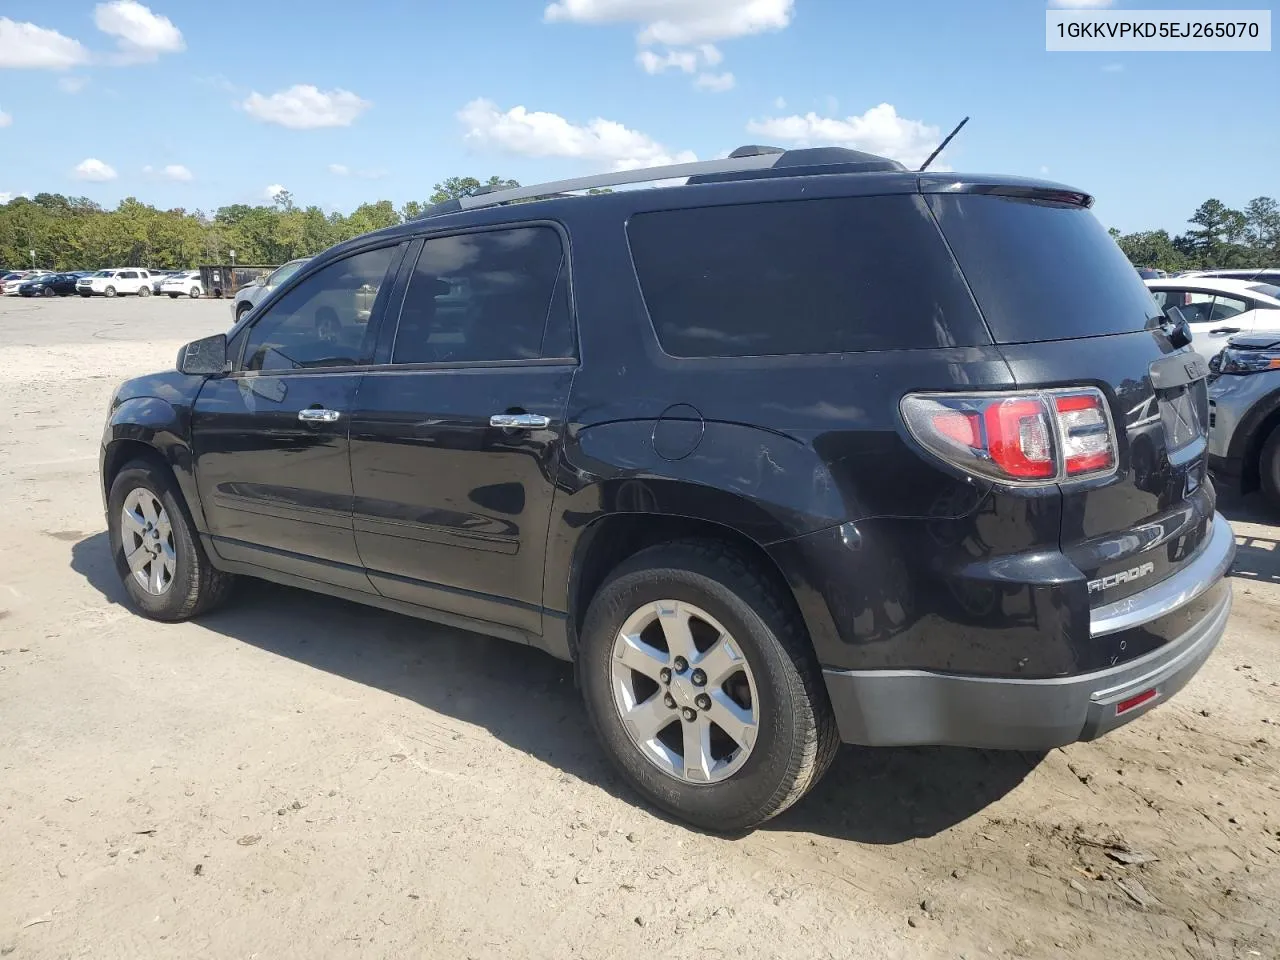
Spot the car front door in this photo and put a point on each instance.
(270, 439)
(456, 435)
(1212, 317)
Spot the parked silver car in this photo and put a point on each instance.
(1244, 415)
(250, 295)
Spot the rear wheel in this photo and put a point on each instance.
(144, 291)
(109, 292)
(156, 549)
(49, 292)
(701, 685)
(1269, 468)
(195, 293)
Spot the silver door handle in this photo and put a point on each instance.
(318, 415)
(519, 421)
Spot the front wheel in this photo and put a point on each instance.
(242, 310)
(144, 291)
(49, 292)
(700, 683)
(110, 292)
(156, 549)
(173, 296)
(195, 293)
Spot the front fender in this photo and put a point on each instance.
(164, 429)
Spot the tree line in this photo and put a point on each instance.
(74, 233)
(1220, 237)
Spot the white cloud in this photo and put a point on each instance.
(1080, 4)
(93, 170)
(141, 34)
(1113, 68)
(271, 191)
(342, 170)
(711, 54)
(174, 171)
(72, 84)
(685, 60)
(780, 103)
(304, 107)
(537, 134)
(679, 22)
(26, 46)
(880, 130)
(6, 119)
(5, 196)
(714, 82)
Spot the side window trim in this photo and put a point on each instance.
(383, 360)
(375, 319)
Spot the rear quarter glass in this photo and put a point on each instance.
(1043, 271)
(822, 276)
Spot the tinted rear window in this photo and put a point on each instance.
(811, 276)
(1043, 271)
(1267, 290)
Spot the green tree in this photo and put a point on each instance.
(454, 188)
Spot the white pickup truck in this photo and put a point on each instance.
(115, 281)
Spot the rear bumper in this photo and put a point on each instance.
(915, 707)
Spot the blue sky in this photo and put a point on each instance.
(346, 103)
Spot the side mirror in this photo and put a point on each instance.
(1176, 327)
(204, 358)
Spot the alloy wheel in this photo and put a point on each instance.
(147, 538)
(684, 692)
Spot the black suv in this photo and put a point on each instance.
(809, 449)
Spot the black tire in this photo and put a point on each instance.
(49, 292)
(242, 310)
(109, 292)
(173, 296)
(796, 738)
(144, 291)
(86, 295)
(195, 293)
(196, 587)
(1269, 468)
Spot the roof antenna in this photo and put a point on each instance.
(942, 146)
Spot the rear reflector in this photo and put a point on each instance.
(1133, 703)
(1086, 433)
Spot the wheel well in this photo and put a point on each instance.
(616, 538)
(1251, 471)
(121, 452)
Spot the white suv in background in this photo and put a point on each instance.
(118, 280)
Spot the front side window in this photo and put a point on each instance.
(324, 320)
(484, 296)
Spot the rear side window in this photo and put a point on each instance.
(811, 276)
(494, 295)
(1043, 271)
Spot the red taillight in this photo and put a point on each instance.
(1018, 438)
(1085, 429)
(1027, 437)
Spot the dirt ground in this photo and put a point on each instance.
(297, 776)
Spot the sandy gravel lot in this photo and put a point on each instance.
(297, 776)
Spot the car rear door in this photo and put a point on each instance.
(270, 440)
(457, 431)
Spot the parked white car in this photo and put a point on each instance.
(160, 276)
(1216, 309)
(251, 294)
(116, 281)
(183, 283)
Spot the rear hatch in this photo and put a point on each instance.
(1067, 308)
